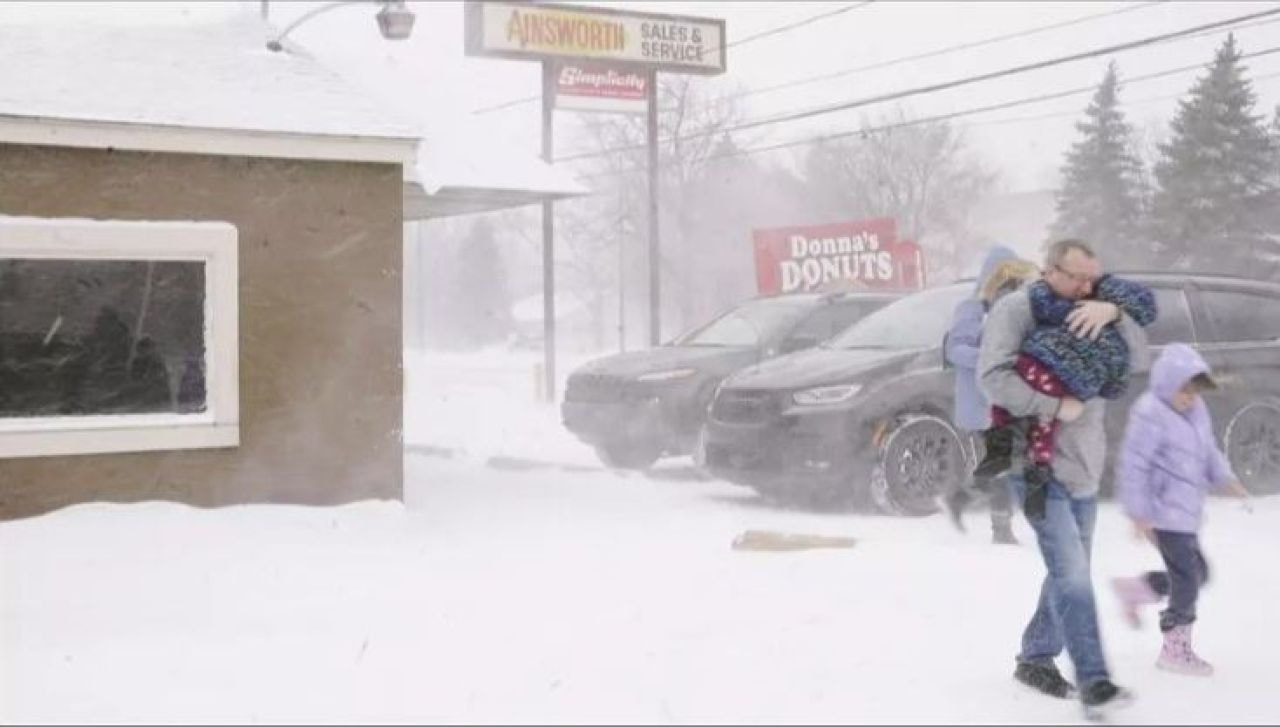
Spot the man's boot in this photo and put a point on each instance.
(956, 501)
(1044, 678)
(1102, 696)
(1002, 529)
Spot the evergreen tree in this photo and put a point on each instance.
(1216, 176)
(481, 295)
(1101, 197)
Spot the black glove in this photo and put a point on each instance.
(1038, 477)
(1036, 499)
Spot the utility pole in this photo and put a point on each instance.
(548, 234)
(655, 284)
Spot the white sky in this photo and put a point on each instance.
(429, 75)
(430, 70)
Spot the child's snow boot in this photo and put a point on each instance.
(1178, 656)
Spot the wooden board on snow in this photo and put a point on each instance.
(772, 540)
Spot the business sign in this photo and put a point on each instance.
(598, 87)
(839, 256)
(542, 31)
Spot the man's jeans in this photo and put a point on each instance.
(1066, 614)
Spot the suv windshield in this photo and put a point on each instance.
(916, 321)
(749, 324)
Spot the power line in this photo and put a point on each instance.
(953, 115)
(946, 85)
(1076, 112)
(797, 24)
(884, 64)
(741, 41)
(938, 52)
(1266, 21)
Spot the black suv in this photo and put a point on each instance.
(866, 417)
(636, 407)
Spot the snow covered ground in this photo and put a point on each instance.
(484, 406)
(546, 595)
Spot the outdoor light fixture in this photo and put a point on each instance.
(395, 21)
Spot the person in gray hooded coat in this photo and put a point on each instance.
(1002, 271)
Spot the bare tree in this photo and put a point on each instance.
(607, 232)
(920, 174)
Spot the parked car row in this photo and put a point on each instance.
(638, 406)
(864, 416)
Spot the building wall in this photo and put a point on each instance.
(320, 325)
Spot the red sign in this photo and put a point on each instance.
(839, 256)
(600, 87)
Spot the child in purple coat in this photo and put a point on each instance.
(1167, 465)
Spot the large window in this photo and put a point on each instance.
(749, 324)
(117, 336)
(919, 320)
(1173, 319)
(1237, 316)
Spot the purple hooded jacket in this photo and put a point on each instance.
(1169, 460)
(960, 348)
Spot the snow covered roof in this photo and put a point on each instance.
(458, 172)
(198, 78)
(174, 73)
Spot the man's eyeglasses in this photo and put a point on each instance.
(1077, 278)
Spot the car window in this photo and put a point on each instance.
(748, 324)
(828, 320)
(848, 313)
(917, 321)
(1240, 316)
(818, 326)
(1173, 322)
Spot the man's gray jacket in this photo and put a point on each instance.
(1080, 451)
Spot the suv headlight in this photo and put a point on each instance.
(667, 375)
(826, 394)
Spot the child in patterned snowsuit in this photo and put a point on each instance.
(1056, 362)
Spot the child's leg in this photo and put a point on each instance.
(1143, 590)
(1187, 572)
(997, 445)
(1041, 438)
(1000, 417)
(997, 449)
(1040, 435)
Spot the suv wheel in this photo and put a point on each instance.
(922, 459)
(628, 455)
(1252, 445)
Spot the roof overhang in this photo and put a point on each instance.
(444, 175)
(459, 174)
(452, 201)
(130, 136)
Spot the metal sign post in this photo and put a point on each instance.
(548, 235)
(655, 255)
(646, 42)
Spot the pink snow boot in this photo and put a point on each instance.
(1133, 592)
(1178, 656)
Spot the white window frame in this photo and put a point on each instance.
(213, 243)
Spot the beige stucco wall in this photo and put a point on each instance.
(320, 325)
